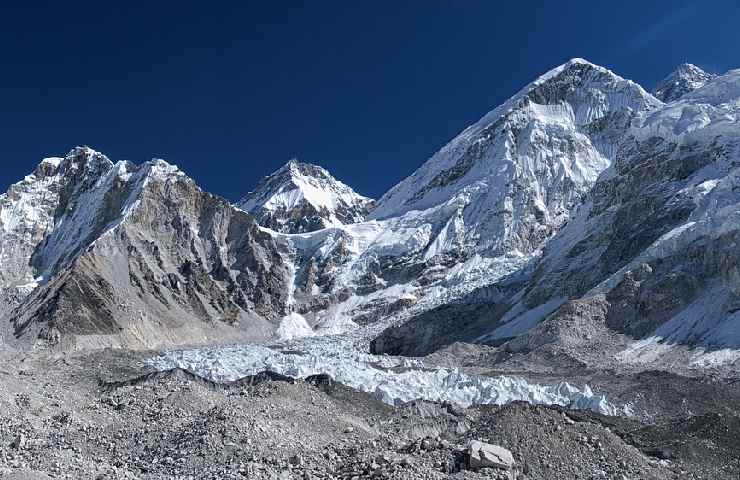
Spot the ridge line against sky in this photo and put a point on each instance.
(369, 92)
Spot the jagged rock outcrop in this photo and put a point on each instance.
(301, 197)
(28, 211)
(139, 256)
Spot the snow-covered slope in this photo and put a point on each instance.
(301, 197)
(647, 270)
(686, 78)
(519, 171)
(28, 212)
(478, 211)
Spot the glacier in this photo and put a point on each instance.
(392, 380)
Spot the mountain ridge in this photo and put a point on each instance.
(629, 280)
(525, 212)
(138, 256)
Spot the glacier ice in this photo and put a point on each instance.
(392, 380)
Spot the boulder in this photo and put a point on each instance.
(485, 455)
(19, 442)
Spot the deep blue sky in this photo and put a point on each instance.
(366, 89)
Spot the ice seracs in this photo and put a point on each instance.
(301, 197)
(393, 381)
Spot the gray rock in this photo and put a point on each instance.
(485, 455)
(138, 256)
(18, 442)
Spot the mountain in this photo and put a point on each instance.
(133, 255)
(27, 215)
(656, 243)
(479, 210)
(583, 220)
(524, 166)
(646, 270)
(301, 197)
(686, 78)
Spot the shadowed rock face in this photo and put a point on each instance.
(139, 256)
(464, 320)
(628, 212)
(438, 328)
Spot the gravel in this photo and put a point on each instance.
(61, 417)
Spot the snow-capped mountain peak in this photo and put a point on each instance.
(302, 197)
(29, 211)
(519, 170)
(686, 78)
(80, 160)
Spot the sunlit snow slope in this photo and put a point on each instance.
(300, 197)
(478, 211)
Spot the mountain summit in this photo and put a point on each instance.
(302, 197)
(521, 168)
(99, 254)
(686, 78)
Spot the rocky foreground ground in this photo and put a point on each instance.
(95, 416)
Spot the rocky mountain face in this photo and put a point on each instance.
(27, 212)
(645, 271)
(301, 197)
(655, 247)
(582, 217)
(686, 78)
(135, 255)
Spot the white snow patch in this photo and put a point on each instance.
(53, 161)
(293, 326)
